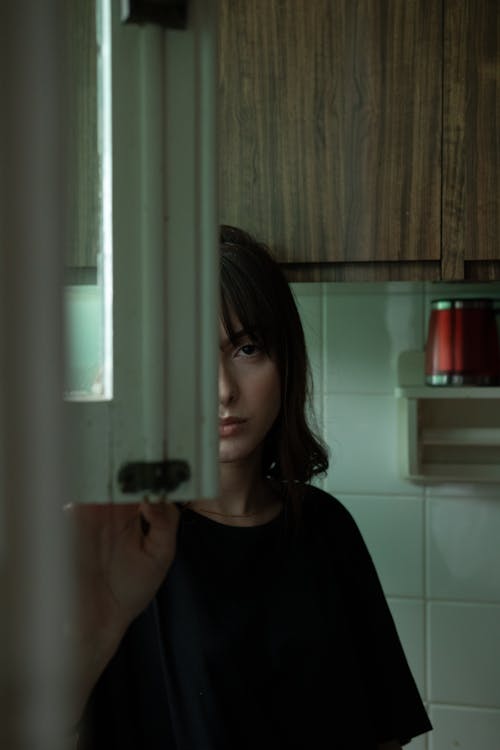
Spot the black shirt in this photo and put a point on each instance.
(261, 637)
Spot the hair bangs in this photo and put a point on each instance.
(245, 307)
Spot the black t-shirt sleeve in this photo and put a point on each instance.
(128, 708)
(392, 696)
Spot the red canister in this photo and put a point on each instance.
(463, 343)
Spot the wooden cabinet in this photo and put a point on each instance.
(471, 140)
(358, 137)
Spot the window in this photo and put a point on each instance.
(88, 272)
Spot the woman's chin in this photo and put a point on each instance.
(233, 453)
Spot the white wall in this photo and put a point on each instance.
(436, 548)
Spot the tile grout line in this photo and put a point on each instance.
(427, 609)
(322, 317)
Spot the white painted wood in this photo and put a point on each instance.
(438, 392)
(450, 472)
(409, 447)
(459, 443)
(33, 556)
(472, 436)
(165, 264)
(192, 260)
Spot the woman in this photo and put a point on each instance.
(255, 621)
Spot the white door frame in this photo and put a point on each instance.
(165, 293)
(165, 396)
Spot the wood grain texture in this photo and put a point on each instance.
(454, 160)
(384, 271)
(471, 134)
(486, 270)
(330, 126)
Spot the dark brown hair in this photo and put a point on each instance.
(255, 290)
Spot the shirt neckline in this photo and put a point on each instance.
(200, 517)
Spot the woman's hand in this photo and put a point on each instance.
(122, 553)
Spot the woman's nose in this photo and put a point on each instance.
(228, 389)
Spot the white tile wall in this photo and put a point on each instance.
(310, 309)
(393, 529)
(464, 653)
(463, 535)
(419, 743)
(364, 333)
(409, 618)
(361, 431)
(464, 728)
(436, 548)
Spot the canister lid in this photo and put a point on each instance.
(483, 303)
(441, 304)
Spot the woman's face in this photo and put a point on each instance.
(249, 396)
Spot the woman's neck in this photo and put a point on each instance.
(241, 488)
(245, 497)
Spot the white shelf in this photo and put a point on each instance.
(461, 436)
(434, 473)
(441, 392)
(447, 434)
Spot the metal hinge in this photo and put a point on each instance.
(152, 476)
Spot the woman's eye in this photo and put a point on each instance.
(248, 350)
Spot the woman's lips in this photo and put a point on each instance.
(230, 426)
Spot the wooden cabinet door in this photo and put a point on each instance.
(471, 153)
(330, 127)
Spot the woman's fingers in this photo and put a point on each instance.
(100, 528)
(163, 520)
